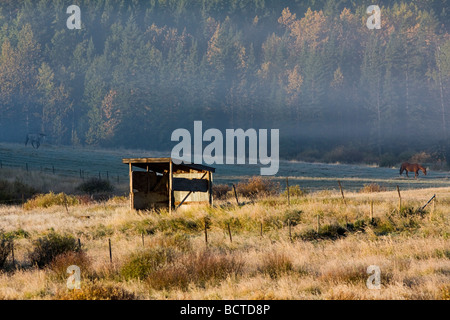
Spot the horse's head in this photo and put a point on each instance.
(424, 170)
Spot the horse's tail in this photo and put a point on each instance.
(26, 141)
(402, 167)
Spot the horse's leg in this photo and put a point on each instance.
(407, 173)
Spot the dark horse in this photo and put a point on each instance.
(413, 167)
(35, 139)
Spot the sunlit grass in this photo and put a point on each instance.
(411, 250)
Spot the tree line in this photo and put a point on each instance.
(137, 70)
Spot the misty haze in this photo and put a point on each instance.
(224, 150)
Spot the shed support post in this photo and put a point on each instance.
(131, 187)
(170, 185)
(210, 191)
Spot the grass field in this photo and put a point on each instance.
(69, 163)
(276, 250)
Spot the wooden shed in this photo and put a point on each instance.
(157, 183)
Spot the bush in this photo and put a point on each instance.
(61, 262)
(276, 264)
(199, 269)
(331, 232)
(140, 265)
(96, 291)
(5, 248)
(95, 185)
(49, 200)
(294, 216)
(295, 191)
(11, 193)
(372, 187)
(257, 187)
(47, 248)
(220, 191)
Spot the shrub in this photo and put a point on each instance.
(11, 193)
(331, 232)
(49, 200)
(95, 185)
(257, 186)
(421, 157)
(372, 187)
(220, 191)
(295, 191)
(47, 248)
(358, 225)
(96, 291)
(141, 264)
(61, 262)
(5, 248)
(294, 216)
(199, 269)
(276, 264)
(410, 211)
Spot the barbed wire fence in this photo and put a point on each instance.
(115, 176)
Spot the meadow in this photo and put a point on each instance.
(315, 247)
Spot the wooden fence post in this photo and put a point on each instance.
(110, 251)
(12, 254)
(143, 243)
(371, 211)
(235, 194)
(287, 189)
(342, 192)
(399, 200)
(206, 231)
(290, 233)
(79, 244)
(229, 232)
(261, 231)
(434, 207)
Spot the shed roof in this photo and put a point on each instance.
(162, 164)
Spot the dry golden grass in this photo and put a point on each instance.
(412, 251)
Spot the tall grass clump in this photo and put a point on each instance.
(50, 246)
(220, 191)
(95, 185)
(275, 264)
(49, 200)
(257, 187)
(372, 187)
(295, 191)
(198, 269)
(58, 266)
(140, 265)
(5, 248)
(96, 291)
(12, 192)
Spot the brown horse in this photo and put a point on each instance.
(413, 167)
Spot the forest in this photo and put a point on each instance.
(137, 70)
